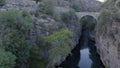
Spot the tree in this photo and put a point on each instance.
(7, 59)
(60, 42)
(2, 2)
(36, 59)
(16, 28)
(69, 17)
(46, 8)
(37, 1)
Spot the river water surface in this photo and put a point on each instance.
(84, 55)
(85, 60)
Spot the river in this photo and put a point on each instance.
(84, 55)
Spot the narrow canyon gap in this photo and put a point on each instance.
(84, 55)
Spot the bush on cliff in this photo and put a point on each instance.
(60, 42)
(7, 59)
(68, 17)
(38, 1)
(15, 34)
(46, 8)
(88, 22)
(37, 60)
(105, 16)
(2, 2)
(76, 7)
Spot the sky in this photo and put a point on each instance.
(101, 0)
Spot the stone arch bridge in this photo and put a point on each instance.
(93, 14)
(60, 10)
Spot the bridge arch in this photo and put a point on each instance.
(117, 4)
(88, 16)
(95, 15)
(88, 22)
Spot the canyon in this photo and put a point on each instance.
(57, 28)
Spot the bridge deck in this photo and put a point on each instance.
(82, 14)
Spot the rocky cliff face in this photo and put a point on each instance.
(51, 25)
(90, 5)
(45, 24)
(108, 44)
(29, 5)
(108, 37)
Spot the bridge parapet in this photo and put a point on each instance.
(93, 14)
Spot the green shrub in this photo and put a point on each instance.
(7, 59)
(41, 41)
(105, 16)
(115, 14)
(15, 34)
(47, 7)
(2, 2)
(91, 23)
(110, 5)
(84, 22)
(27, 22)
(97, 8)
(38, 1)
(60, 42)
(92, 26)
(14, 18)
(76, 7)
(88, 22)
(37, 60)
(68, 17)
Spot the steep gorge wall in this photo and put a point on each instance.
(29, 5)
(46, 25)
(108, 36)
(108, 44)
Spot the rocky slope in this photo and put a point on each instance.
(48, 21)
(89, 5)
(29, 5)
(45, 24)
(108, 37)
(108, 44)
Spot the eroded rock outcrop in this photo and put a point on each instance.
(45, 24)
(29, 5)
(108, 44)
(108, 37)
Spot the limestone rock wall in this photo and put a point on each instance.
(108, 36)
(108, 43)
(29, 5)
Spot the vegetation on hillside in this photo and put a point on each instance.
(88, 22)
(16, 26)
(77, 6)
(38, 1)
(46, 8)
(16, 49)
(37, 60)
(109, 13)
(2, 2)
(68, 17)
(104, 17)
(7, 59)
(60, 42)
